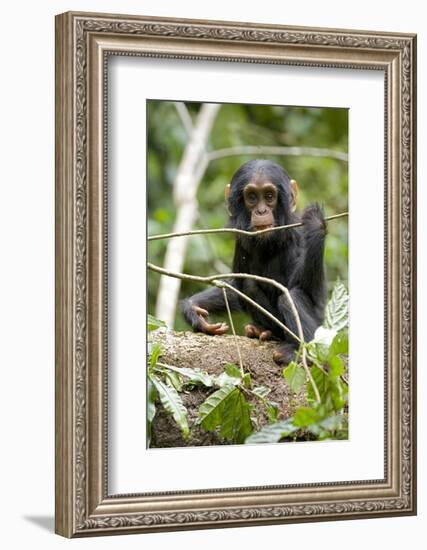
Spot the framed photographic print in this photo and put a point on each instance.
(235, 274)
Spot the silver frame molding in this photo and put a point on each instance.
(83, 43)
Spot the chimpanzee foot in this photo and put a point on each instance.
(284, 354)
(265, 335)
(252, 331)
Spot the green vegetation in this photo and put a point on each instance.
(227, 410)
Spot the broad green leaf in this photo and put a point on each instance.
(225, 379)
(336, 313)
(339, 344)
(196, 376)
(233, 371)
(339, 394)
(318, 352)
(174, 380)
(151, 400)
(334, 422)
(261, 391)
(210, 411)
(324, 336)
(328, 427)
(236, 424)
(295, 376)
(155, 354)
(273, 433)
(336, 366)
(172, 403)
(321, 380)
(272, 411)
(305, 416)
(151, 407)
(153, 323)
(247, 381)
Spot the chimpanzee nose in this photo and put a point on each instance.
(262, 211)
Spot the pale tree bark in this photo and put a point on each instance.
(190, 172)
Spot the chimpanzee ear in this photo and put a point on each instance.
(227, 189)
(294, 195)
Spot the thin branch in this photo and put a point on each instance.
(227, 305)
(238, 231)
(277, 151)
(214, 281)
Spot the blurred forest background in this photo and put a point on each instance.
(193, 151)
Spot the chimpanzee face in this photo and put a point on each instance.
(260, 198)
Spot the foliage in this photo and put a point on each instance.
(336, 313)
(227, 409)
(320, 179)
(327, 352)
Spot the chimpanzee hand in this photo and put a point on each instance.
(201, 325)
(313, 219)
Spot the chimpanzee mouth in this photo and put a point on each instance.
(262, 227)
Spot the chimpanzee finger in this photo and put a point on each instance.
(200, 311)
(221, 330)
(209, 328)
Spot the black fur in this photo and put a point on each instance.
(293, 257)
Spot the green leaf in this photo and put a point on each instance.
(225, 379)
(236, 423)
(210, 411)
(153, 323)
(324, 336)
(305, 416)
(172, 403)
(336, 313)
(247, 381)
(174, 380)
(272, 411)
(228, 409)
(273, 433)
(196, 376)
(295, 376)
(261, 391)
(155, 354)
(321, 380)
(336, 366)
(339, 394)
(334, 422)
(151, 407)
(232, 371)
(339, 344)
(151, 400)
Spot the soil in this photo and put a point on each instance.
(212, 353)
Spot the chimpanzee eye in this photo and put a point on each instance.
(252, 197)
(269, 196)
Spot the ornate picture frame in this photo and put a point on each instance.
(84, 42)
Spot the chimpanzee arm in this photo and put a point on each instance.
(311, 276)
(197, 308)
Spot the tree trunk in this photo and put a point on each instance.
(212, 353)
